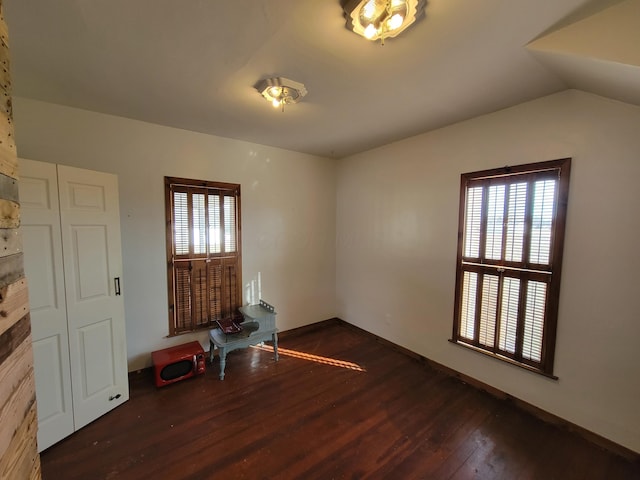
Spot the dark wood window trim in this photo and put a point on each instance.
(204, 253)
(510, 242)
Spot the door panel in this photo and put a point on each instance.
(90, 220)
(43, 287)
(43, 266)
(96, 341)
(90, 251)
(51, 400)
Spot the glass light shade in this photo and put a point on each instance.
(380, 19)
(280, 91)
(370, 31)
(395, 21)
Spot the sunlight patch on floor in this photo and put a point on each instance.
(313, 358)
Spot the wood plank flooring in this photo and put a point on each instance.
(338, 405)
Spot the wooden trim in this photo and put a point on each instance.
(502, 358)
(295, 332)
(537, 412)
(559, 171)
(225, 259)
(189, 182)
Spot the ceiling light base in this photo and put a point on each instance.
(280, 91)
(381, 19)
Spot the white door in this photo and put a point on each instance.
(42, 243)
(83, 364)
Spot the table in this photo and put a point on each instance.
(258, 326)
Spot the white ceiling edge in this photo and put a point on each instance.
(599, 53)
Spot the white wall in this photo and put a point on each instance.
(397, 231)
(288, 210)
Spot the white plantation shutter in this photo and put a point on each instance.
(495, 220)
(517, 199)
(467, 322)
(534, 320)
(199, 224)
(181, 223)
(542, 221)
(215, 226)
(473, 221)
(203, 253)
(509, 314)
(509, 260)
(489, 314)
(229, 224)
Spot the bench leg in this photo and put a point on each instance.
(275, 345)
(223, 361)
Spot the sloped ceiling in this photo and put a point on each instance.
(193, 64)
(599, 53)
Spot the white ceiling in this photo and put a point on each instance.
(193, 64)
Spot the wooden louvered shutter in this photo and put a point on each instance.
(203, 253)
(509, 261)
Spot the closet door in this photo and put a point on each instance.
(71, 238)
(90, 221)
(41, 238)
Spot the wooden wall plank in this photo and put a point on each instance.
(6, 104)
(10, 241)
(8, 185)
(8, 152)
(14, 306)
(13, 413)
(11, 269)
(8, 159)
(5, 77)
(11, 338)
(9, 214)
(21, 460)
(13, 371)
(4, 32)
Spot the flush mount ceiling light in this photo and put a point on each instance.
(281, 91)
(380, 19)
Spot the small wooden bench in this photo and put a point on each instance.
(259, 325)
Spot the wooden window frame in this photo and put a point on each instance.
(523, 270)
(213, 280)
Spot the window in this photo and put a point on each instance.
(511, 232)
(203, 253)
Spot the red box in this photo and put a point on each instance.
(177, 363)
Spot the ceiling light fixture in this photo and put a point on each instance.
(281, 91)
(380, 19)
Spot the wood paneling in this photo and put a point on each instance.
(19, 457)
(338, 404)
(19, 393)
(14, 305)
(21, 460)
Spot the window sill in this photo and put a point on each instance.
(503, 359)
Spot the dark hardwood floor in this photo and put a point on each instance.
(359, 409)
